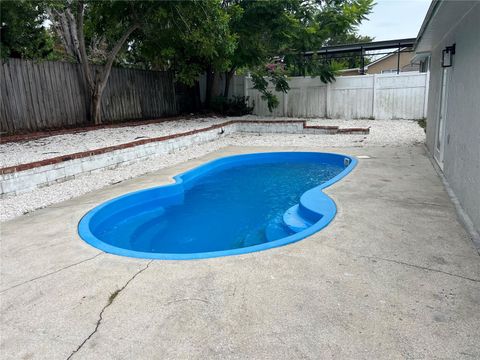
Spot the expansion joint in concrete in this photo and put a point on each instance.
(406, 264)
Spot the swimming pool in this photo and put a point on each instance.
(232, 205)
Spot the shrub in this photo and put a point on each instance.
(237, 106)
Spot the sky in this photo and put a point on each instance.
(395, 19)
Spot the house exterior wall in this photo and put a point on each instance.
(387, 63)
(461, 165)
(391, 63)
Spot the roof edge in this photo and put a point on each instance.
(431, 11)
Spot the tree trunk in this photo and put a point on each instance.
(228, 79)
(196, 96)
(210, 78)
(96, 107)
(71, 32)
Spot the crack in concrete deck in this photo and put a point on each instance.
(110, 301)
(50, 273)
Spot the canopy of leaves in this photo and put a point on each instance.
(325, 23)
(350, 60)
(191, 37)
(22, 34)
(285, 29)
(199, 38)
(104, 23)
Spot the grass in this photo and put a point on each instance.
(423, 123)
(112, 296)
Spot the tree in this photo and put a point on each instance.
(203, 44)
(199, 41)
(111, 22)
(188, 37)
(22, 34)
(287, 29)
(350, 60)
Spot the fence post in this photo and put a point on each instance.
(328, 102)
(285, 103)
(374, 97)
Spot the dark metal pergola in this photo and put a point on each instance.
(359, 49)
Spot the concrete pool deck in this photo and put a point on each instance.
(395, 275)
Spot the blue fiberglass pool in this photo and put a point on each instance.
(232, 205)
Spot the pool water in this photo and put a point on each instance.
(228, 206)
(230, 209)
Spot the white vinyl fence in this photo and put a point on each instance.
(379, 96)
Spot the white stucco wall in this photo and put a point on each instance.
(462, 145)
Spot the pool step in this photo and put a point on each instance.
(252, 240)
(294, 220)
(277, 230)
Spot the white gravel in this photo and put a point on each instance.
(53, 146)
(382, 133)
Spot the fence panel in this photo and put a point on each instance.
(261, 108)
(44, 95)
(351, 97)
(306, 98)
(400, 97)
(388, 96)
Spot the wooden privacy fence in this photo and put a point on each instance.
(43, 95)
(382, 96)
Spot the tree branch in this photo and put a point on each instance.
(63, 30)
(81, 46)
(73, 32)
(113, 54)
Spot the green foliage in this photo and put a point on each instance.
(189, 37)
(107, 20)
(223, 36)
(311, 66)
(194, 37)
(237, 106)
(350, 60)
(288, 28)
(261, 79)
(22, 34)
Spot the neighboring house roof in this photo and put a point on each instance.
(385, 57)
(379, 60)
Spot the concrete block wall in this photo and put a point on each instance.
(27, 180)
(26, 177)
